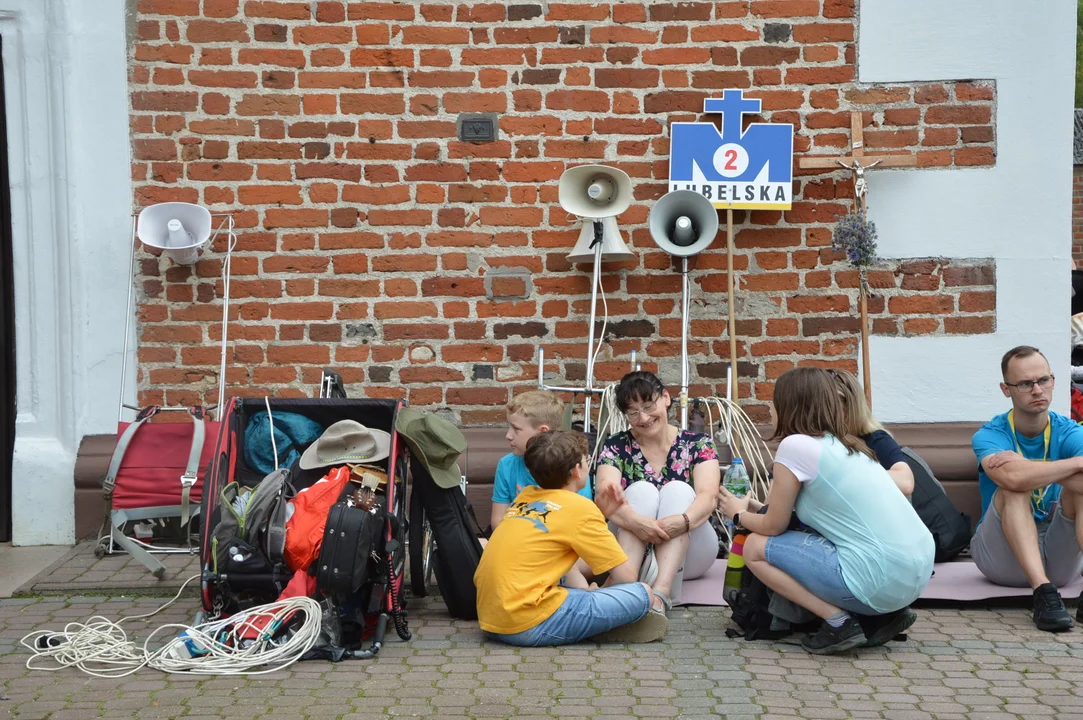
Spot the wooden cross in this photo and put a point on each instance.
(858, 162)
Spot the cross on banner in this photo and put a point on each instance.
(733, 105)
(858, 162)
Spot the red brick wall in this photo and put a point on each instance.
(419, 266)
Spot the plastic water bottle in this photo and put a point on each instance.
(736, 482)
(736, 478)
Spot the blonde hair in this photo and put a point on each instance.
(540, 407)
(858, 413)
(808, 402)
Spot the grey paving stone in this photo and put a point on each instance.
(957, 666)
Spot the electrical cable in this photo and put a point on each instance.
(612, 421)
(271, 425)
(605, 324)
(735, 428)
(227, 272)
(236, 645)
(738, 430)
(397, 613)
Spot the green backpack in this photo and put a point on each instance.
(255, 536)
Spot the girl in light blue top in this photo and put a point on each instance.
(871, 555)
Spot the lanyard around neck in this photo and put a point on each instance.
(1015, 436)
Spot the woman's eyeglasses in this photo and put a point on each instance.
(645, 410)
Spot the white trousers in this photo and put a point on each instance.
(674, 498)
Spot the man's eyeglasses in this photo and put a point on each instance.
(1027, 385)
(645, 410)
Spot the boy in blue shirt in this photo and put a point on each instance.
(529, 414)
(1030, 473)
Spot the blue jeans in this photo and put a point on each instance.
(813, 562)
(584, 614)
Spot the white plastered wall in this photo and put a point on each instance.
(66, 98)
(1018, 212)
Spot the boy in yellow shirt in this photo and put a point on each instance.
(544, 532)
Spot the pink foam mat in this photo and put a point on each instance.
(959, 581)
(707, 589)
(963, 582)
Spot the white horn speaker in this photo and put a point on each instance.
(613, 247)
(595, 191)
(683, 223)
(179, 229)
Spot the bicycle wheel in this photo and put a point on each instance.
(422, 546)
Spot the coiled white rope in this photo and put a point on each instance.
(101, 648)
(611, 418)
(735, 428)
(738, 430)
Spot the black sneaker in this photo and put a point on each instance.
(829, 640)
(1049, 611)
(881, 629)
(1079, 610)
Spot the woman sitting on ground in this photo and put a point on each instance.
(865, 426)
(669, 478)
(872, 554)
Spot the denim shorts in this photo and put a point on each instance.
(584, 614)
(813, 562)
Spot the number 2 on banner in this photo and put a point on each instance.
(731, 160)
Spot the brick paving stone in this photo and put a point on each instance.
(955, 666)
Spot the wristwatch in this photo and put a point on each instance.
(737, 519)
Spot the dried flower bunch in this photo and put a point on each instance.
(855, 236)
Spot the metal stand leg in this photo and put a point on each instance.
(684, 343)
(127, 325)
(593, 315)
(227, 268)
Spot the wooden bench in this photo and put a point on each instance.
(945, 446)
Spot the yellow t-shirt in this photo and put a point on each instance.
(541, 536)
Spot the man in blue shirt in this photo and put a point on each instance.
(1030, 473)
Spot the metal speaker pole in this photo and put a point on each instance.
(683, 223)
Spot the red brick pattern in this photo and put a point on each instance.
(374, 241)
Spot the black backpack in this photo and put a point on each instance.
(950, 527)
(751, 617)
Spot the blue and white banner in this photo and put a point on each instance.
(735, 170)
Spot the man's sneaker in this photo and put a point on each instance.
(1049, 611)
(881, 629)
(829, 640)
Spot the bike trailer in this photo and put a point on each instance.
(242, 567)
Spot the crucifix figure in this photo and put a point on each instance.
(858, 162)
(861, 187)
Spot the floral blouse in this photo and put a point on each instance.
(623, 452)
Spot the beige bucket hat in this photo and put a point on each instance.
(347, 441)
